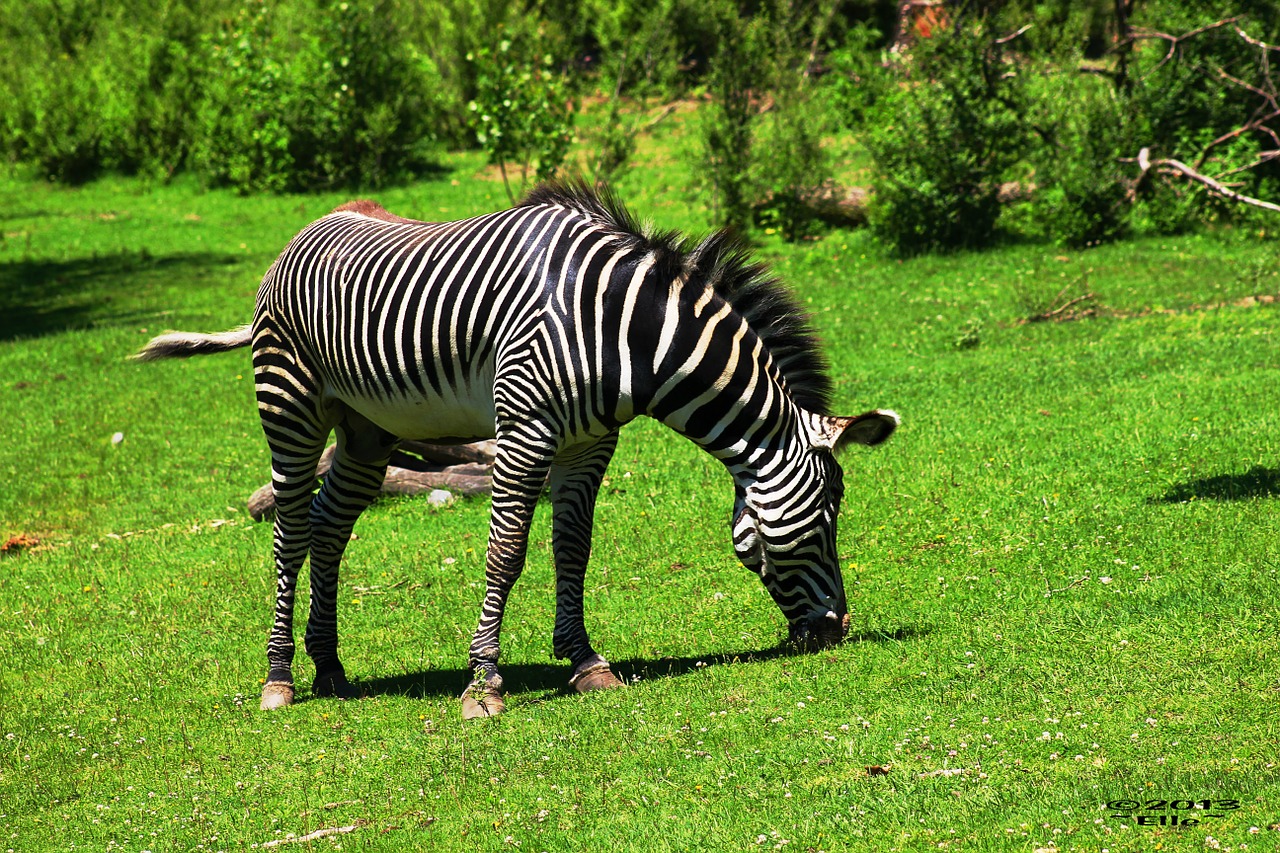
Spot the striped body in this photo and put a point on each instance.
(502, 295)
(548, 327)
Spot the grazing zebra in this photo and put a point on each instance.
(548, 327)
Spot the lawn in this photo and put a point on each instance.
(1062, 570)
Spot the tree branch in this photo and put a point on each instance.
(1177, 167)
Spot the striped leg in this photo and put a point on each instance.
(575, 482)
(519, 471)
(359, 467)
(293, 480)
(296, 431)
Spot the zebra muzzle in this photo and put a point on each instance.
(818, 632)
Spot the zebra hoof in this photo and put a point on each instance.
(482, 700)
(598, 677)
(335, 685)
(276, 694)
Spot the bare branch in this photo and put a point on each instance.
(1061, 311)
(1014, 35)
(1255, 42)
(310, 836)
(1143, 34)
(1177, 167)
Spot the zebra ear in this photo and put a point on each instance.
(869, 428)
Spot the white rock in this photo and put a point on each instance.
(118, 438)
(440, 497)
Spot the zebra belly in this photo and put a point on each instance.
(455, 419)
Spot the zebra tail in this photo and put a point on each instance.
(186, 344)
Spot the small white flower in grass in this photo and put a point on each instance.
(1104, 580)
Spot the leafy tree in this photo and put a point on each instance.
(523, 110)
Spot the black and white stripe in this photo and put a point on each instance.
(548, 327)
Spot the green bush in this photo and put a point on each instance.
(87, 87)
(242, 139)
(791, 163)
(762, 131)
(726, 128)
(313, 96)
(638, 45)
(1081, 187)
(523, 111)
(295, 95)
(945, 140)
(636, 56)
(857, 77)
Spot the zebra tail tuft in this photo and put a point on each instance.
(187, 344)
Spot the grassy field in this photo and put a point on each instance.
(1062, 571)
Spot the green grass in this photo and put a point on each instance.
(1062, 571)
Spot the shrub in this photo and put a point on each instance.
(727, 121)
(241, 138)
(636, 57)
(309, 96)
(762, 132)
(523, 111)
(88, 87)
(1190, 102)
(1081, 192)
(791, 164)
(857, 77)
(946, 139)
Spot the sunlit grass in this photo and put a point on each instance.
(1062, 571)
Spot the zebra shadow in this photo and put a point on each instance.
(533, 679)
(1257, 482)
(39, 297)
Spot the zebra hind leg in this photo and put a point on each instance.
(355, 479)
(575, 481)
(293, 473)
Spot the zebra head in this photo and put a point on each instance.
(784, 525)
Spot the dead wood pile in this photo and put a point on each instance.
(416, 467)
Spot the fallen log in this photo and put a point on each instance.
(416, 467)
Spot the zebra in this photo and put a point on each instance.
(547, 326)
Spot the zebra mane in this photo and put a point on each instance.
(722, 261)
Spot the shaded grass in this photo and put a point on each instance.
(1061, 570)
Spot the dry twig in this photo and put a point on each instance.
(311, 836)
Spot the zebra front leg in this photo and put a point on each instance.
(519, 470)
(575, 482)
(354, 480)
